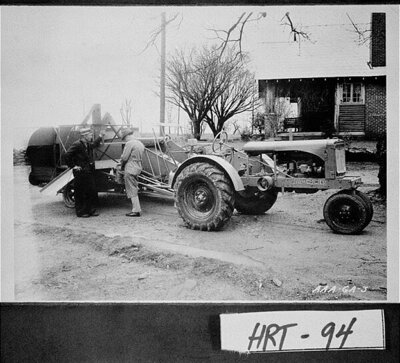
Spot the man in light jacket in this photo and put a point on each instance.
(131, 163)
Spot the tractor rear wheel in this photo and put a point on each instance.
(252, 201)
(204, 197)
(69, 195)
(345, 213)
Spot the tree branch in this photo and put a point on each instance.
(227, 37)
(156, 33)
(297, 34)
(362, 37)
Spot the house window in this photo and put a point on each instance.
(357, 93)
(353, 93)
(346, 92)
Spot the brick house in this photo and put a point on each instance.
(331, 91)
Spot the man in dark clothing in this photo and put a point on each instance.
(79, 157)
(381, 158)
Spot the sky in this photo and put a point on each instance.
(57, 62)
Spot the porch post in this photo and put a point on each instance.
(337, 106)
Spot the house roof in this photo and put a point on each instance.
(327, 55)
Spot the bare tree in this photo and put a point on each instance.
(126, 112)
(269, 124)
(238, 95)
(196, 81)
(232, 125)
(234, 35)
(274, 122)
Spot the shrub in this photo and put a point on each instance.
(245, 133)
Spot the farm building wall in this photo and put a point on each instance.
(375, 109)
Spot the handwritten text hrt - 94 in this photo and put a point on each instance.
(302, 330)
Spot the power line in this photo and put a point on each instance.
(325, 25)
(276, 42)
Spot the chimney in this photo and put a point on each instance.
(378, 40)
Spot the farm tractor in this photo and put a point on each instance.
(208, 186)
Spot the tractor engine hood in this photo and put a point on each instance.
(315, 147)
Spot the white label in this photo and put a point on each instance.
(302, 330)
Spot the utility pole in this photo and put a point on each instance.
(162, 80)
(252, 109)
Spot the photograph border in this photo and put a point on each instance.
(34, 325)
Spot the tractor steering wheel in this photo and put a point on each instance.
(221, 139)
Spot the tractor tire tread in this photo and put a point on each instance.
(224, 189)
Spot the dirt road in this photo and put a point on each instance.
(287, 254)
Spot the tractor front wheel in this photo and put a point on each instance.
(204, 197)
(253, 201)
(69, 195)
(346, 213)
(365, 199)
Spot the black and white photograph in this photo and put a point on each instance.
(200, 153)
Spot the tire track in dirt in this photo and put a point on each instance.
(248, 275)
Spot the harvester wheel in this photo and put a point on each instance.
(33, 180)
(204, 197)
(69, 195)
(345, 213)
(367, 202)
(255, 202)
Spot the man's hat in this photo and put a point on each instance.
(126, 132)
(85, 130)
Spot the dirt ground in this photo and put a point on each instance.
(287, 254)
